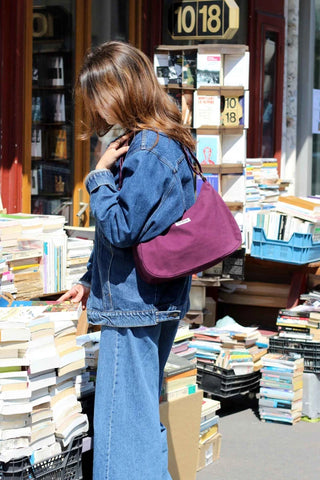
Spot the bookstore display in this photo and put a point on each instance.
(209, 83)
(52, 111)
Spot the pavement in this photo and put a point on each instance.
(256, 450)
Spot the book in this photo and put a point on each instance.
(300, 202)
(161, 67)
(179, 383)
(277, 403)
(176, 365)
(175, 60)
(208, 434)
(209, 68)
(206, 424)
(281, 394)
(206, 108)
(208, 149)
(71, 367)
(289, 361)
(189, 68)
(180, 392)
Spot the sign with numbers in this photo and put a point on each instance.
(202, 19)
(232, 112)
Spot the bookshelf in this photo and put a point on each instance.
(210, 84)
(52, 112)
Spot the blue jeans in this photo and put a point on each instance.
(129, 441)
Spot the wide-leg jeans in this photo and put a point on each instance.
(129, 441)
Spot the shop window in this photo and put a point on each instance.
(52, 136)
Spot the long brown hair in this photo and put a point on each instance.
(119, 78)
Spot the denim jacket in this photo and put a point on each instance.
(157, 187)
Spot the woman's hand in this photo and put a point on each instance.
(114, 151)
(78, 293)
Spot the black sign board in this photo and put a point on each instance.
(203, 19)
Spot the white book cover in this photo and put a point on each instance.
(42, 380)
(44, 442)
(234, 148)
(15, 407)
(44, 363)
(209, 69)
(46, 452)
(161, 67)
(24, 393)
(206, 110)
(5, 434)
(233, 187)
(236, 70)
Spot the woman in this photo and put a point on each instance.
(138, 320)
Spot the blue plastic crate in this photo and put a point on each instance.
(299, 249)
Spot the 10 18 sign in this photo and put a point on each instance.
(203, 19)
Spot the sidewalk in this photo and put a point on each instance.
(254, 450)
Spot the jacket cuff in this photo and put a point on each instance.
(97, 178)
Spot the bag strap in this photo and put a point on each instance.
(197, 170)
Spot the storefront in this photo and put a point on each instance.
(43, 162)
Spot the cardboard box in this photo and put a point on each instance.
(181, 418)
(209, 452)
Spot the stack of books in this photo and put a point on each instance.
(229, 347)
(304, 208)
(47, 272)
(39, 411)
(180, 377)
(209, 438)
(91, 343)
(78, 254)
(27, 339)
(181, 345)
(299, 323)
(209, 423)
(281, 388)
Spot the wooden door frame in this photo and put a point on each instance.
(145, 27)
(15, 91)
(262, 19)
(81, 148)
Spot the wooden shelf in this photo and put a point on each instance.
(223, 48)
(223, 168)
(220, 129)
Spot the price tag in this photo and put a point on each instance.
(232, 112)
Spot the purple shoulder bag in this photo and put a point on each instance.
(203, 237)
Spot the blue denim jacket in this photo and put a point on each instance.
(157, 187)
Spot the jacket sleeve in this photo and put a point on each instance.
(86, 278)
(150, 200)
